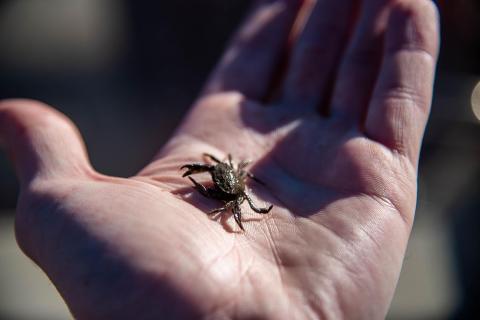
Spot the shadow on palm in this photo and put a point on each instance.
(206, 205)
(314, 161)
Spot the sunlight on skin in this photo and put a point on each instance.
(343, 186)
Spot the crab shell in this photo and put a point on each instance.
(227, 179)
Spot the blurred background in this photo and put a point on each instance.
(126, 71)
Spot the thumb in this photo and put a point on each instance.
(42, 142)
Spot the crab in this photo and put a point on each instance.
(228, 185)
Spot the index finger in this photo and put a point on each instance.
(248, 65)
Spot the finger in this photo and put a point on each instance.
(248, 66)
(317, 53)
(401, 101)
(42, 142)
(361, 61)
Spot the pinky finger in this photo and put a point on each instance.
(400, 104)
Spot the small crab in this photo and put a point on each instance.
(229, 185)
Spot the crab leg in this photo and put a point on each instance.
(237, 214)
(200, 188)
(244, 173)
(243, 164)
(251, 176)
(213, 158)
(255, 208)
(226, 207)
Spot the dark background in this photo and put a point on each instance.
(127, 71)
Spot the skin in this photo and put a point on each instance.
(336, 137)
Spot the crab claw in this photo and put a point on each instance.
(188, 172)
(195, 168)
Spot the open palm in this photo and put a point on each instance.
(332, 115)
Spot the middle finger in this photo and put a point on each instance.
(317, 53)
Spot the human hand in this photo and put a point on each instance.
(340, 172)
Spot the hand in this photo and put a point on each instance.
(332, 116)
